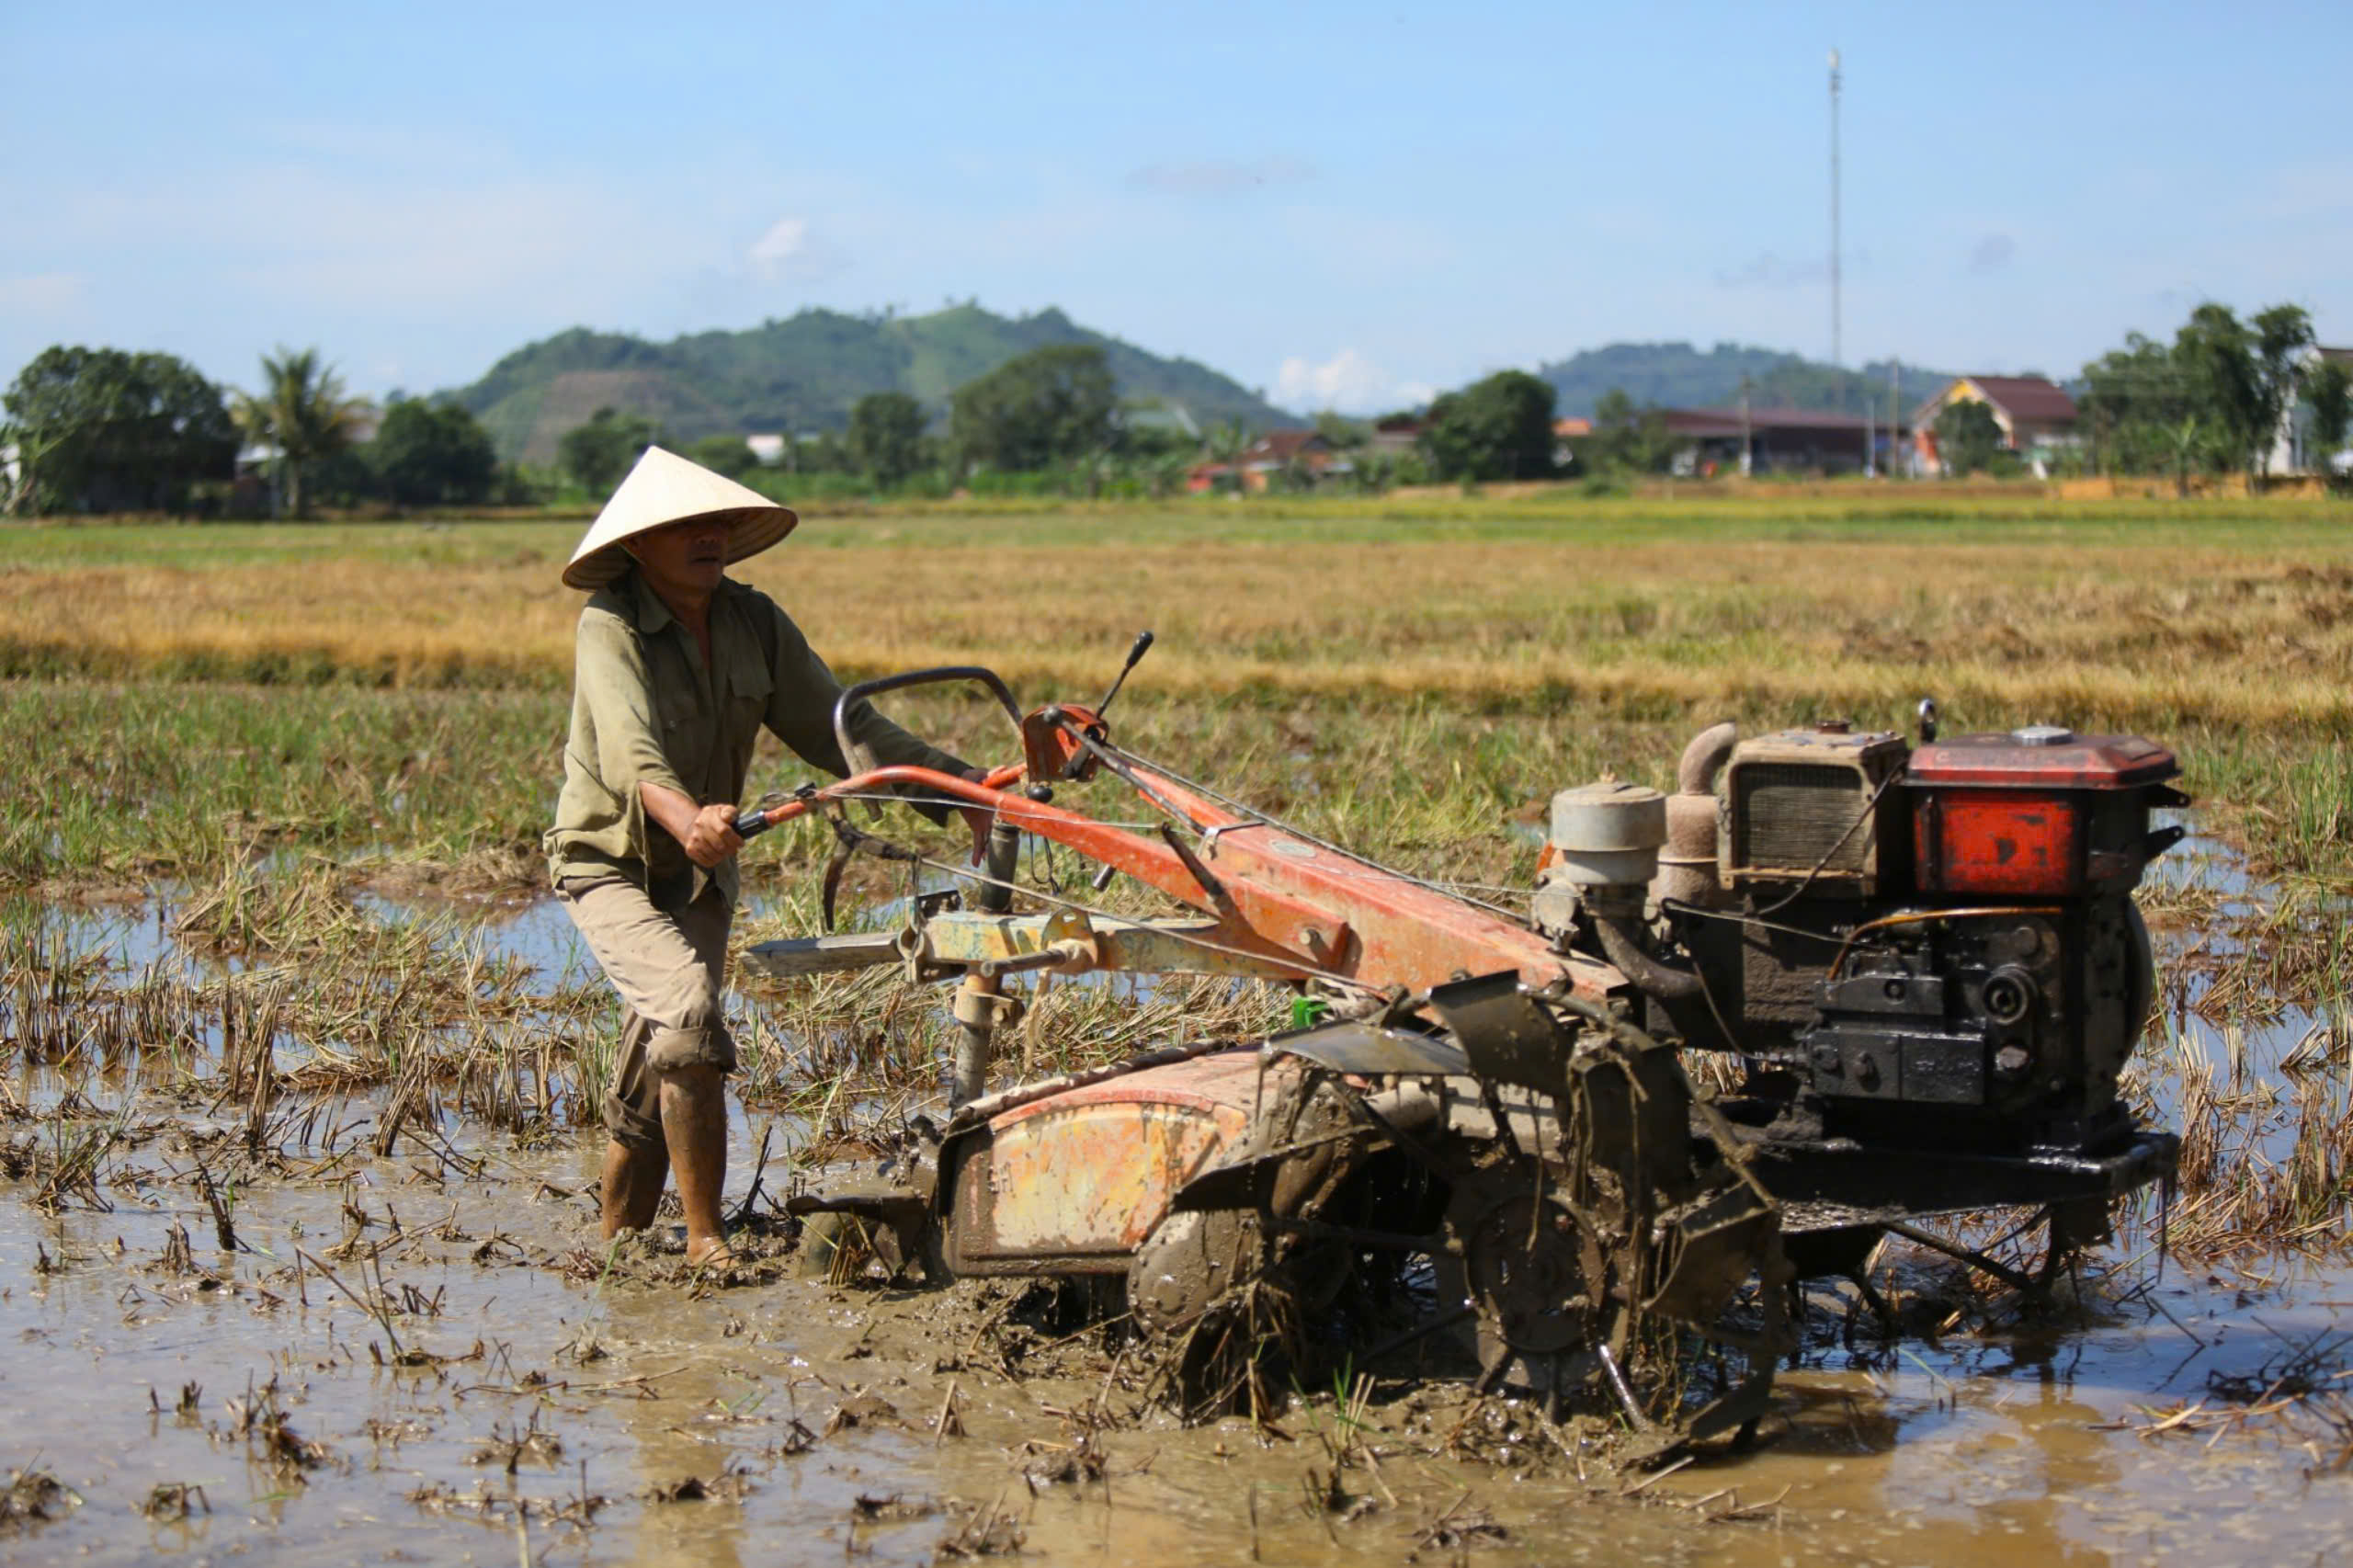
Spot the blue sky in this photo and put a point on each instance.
(1347, 205)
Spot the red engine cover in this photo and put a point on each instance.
(2021, 814)
(2078, 762)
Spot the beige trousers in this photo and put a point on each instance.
(670, 969)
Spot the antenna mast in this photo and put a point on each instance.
(1837, 358)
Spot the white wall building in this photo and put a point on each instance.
(2291, 449)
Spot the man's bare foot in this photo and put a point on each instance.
(712, 1252)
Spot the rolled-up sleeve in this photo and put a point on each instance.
(615, 746)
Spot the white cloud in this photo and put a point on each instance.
(790, 252)
(786, 238)
(1348, 382)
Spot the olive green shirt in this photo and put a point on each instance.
(645, 710)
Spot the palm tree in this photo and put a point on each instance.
(1226, 443)
(302, 412)
(1166, 473)
(2184, 440)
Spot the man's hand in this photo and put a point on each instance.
(711, 837)
(706, 833)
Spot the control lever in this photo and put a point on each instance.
(1135, 656)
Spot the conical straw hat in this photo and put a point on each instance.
(666, 488)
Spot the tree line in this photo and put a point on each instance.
(1055, 408)
(1054, 415)
(2215, 399)
(102, 429)
(106, 430)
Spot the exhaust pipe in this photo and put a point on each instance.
(1686, 867)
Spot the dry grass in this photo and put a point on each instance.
(2227, 631)
(1641, 606)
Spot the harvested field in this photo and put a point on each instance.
(2132, 613)
(1459, 632)
(298, 1071)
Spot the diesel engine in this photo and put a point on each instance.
(1923, 948)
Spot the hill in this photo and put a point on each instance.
(804, 373)
(1676, 375)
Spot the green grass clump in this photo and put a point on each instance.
(139, 781)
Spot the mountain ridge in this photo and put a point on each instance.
(1676, 375)
(803, 372)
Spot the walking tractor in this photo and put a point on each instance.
(1920, 961)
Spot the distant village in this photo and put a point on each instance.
(2038, 422)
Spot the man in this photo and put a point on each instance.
(677, 669)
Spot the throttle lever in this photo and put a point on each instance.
(1135, 656)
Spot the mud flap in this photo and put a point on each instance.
(1506, 1037)
(1370, 1051)
(1708, 1248)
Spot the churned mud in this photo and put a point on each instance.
(298, 1258)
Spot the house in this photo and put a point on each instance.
(1299, 454)
(1397, 434)
(1568, 433)
(2291, 448)
(2035, 415)
(1706, 442)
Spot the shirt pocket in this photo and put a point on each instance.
(686, 742)
(750, 683)
(683, 718)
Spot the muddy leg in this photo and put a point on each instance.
(633, 1180)
(694, 1123)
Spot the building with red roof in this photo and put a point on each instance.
(2035, 414)
(1305, 454)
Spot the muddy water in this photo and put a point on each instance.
(643, 1386)
(808, 1414)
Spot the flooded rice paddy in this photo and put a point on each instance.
(298, 1258)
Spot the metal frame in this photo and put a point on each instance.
(1297, 909)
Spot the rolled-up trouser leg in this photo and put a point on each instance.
(670, 969)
